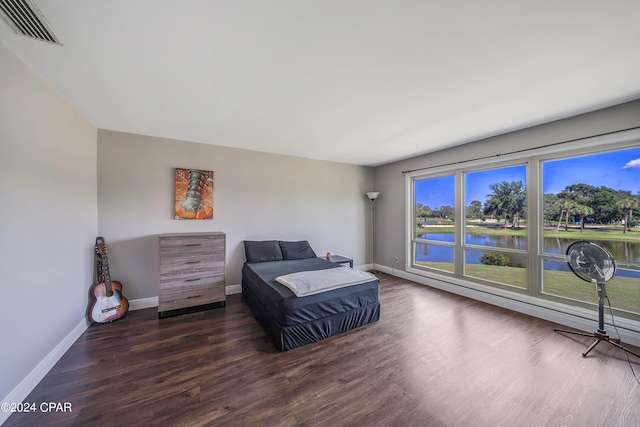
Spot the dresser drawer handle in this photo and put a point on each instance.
(193, 280)
(193, 262)
(194, 296)
(194, 244)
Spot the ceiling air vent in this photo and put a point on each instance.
(26, 19)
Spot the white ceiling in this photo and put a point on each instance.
(364, 82)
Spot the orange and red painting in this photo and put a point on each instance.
(194, 194)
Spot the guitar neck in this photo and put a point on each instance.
(103, 270)
(107, 276)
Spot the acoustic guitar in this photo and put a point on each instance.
(108, 302)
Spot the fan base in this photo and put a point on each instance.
(600, 336)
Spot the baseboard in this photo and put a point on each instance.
(364, 267)
(573, 317)
(233, 289)
(26, 386)
(139, 304)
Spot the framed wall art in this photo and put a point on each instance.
(194, 194)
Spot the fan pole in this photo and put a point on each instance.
(601, 334)
(602, 293)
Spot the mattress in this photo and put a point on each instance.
(288, 309)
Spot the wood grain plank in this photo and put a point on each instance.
(433, 359)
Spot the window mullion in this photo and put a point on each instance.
(535, 227)
(459, 224)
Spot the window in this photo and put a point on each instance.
(434, 223)
(593, 198)
(507, 224)
(495, 227)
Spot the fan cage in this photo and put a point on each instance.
(591, 261)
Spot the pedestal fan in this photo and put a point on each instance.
(593, 263)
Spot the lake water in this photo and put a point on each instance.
(621, 251)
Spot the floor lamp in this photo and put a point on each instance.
(373, 195)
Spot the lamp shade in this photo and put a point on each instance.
(373, 195)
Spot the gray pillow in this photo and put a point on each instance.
(297, 250)
(261, 251)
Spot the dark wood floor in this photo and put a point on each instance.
(434, 359)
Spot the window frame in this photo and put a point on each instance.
(466, 246)
(533, 159)
(460, 246)
(414, 240)
(547, 256)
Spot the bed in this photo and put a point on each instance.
(292, 321)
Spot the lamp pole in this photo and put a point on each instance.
(373, 195)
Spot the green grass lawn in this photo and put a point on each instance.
(475, 229)
(624, 292)
(509, 275)
(595, 234)
(607, 234)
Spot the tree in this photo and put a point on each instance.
(603, 204)
(581, 193)
(422, 212)
(627, 205)
(447, 211)
(577, 198)
(608, 205)
(566, 206)
(474, 209)
(507, 200)
(634, 205)
(550, 207)
(582, 211)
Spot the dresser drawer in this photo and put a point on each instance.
(192, 278)
(174, 299)
(183, 245)
(171, 265)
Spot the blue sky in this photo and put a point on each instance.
(436, 192)
(619, 170)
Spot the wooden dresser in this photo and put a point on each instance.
(191, 272)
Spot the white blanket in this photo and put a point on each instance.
(307, 283)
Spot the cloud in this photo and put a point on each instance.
(633, 164)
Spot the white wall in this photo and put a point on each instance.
(257, 196)
(48, 219)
